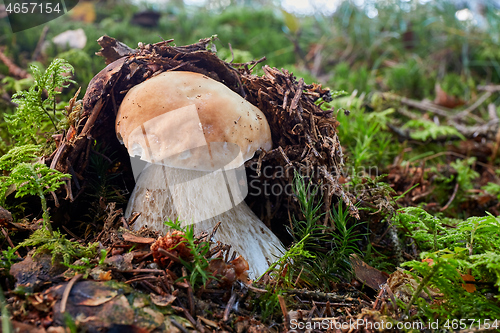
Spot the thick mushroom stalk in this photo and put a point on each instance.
(196, 134)
(205, 198)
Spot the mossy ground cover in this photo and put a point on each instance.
(417, 112)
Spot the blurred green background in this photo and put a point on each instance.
(402, 46)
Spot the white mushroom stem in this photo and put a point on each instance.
(205, 198)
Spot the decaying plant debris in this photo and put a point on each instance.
(304, 136)
(128, 292)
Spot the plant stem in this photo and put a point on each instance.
(48, 114)
(6, 323)
(434, 233)
(45, 215)
(421, 287)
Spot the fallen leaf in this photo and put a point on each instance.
(403, 285)
(137, 239)
(208, 322)
(162, 300)
(469, 287)
(26, 328)
(443, 99)
(120, 262)
(367, 274)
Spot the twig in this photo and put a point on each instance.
(67, 290)
(54, 196)
(232, 53)
(91, 120)
(405, 112)
(451, 199)
(191, 319)
(179, 326)
(391, 295)
(6, 235)
(101, 155)
(57, 155)
(142, 278)
(474, 106)
(379, 297)
(189, 291)
(124, 223)
(441, 111)
(318, 295)
(169, 255)
(323, 303)
(71, 233)
(474, 131)
(39, 45)
(13, 68)
(256, 62)
(142, 270)
(496, 146)
(282, 152)
(298, 94)
(164, 284)
(255, 289)
(286, 317)
(229, 306)
(133, 218)
(489, 87)
(140, 258)
(428, 106)
(421, 195)
(214, 230)
(151, 287)
(298, 276)
(285, 99)
(69, 192)
(313, 310)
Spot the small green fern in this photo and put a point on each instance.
(18, 154)
(492, 189)
(27, 178)
(33, 110)
(58, 246)
(465, 174)
(36, 107)
(426, 129)
(37, 179)
(469, 247)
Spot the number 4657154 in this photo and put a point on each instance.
(32, 7)
(471, 323)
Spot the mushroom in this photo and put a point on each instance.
(195, 135)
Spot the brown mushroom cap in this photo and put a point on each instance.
(187, 120)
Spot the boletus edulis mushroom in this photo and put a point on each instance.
(196, 133)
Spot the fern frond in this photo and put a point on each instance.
(18, 154)
(36, 179)
(425, 129)
(33, 110)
